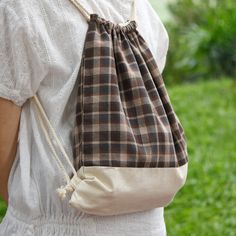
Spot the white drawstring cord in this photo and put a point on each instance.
(69, 187)
(62, 191)
(134, 9)
(35, 98)
(82, 9)
(59, 163)
(87, 14)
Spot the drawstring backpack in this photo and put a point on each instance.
(129, 150)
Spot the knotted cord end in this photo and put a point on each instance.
(62, 191)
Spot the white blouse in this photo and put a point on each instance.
(41, 43)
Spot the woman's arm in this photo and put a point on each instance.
(9, 125)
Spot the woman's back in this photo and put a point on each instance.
(40, 50)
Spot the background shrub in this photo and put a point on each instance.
(202, 40)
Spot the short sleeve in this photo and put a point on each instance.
(23, 63)
(156, 34)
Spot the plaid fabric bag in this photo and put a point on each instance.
(130, 151)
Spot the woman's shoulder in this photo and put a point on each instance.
(23, 58)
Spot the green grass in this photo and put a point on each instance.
(205, 206)
(3, 207)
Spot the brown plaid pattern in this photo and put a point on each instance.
(124, 117)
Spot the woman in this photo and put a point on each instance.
(41, 43)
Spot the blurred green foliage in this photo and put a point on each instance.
(202, 40)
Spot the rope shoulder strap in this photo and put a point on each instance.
(86, 13)
(81, 9)
(42, 115)
(43, 118)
